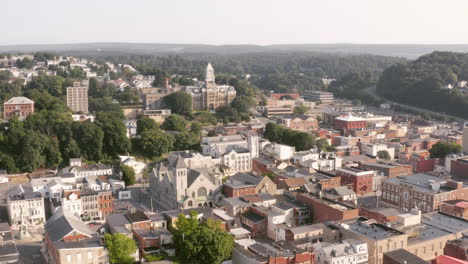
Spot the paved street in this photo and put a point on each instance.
(142, 196)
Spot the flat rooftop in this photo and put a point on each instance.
(368, 228)
(421, 182)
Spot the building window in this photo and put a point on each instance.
(68, 258)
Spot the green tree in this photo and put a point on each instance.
(202, 242)
(55, 85)
(153, 143)
(323, 144)
(7, 163)
(186, 140)
(106, 104)
(25, 63)
(145, 123)
(300, 109)
(299, 140)
(128, 175)
(243, 104)
(442, 149)
(383, 154)
(196, 128)
(115, 139)
(43, 100)
(120, 248)
(206, 118)
(89, 137)
(179, 102)
(175, 123)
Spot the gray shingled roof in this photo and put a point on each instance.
(62, 223)
(241, 179)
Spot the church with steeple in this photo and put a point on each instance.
(209, 95)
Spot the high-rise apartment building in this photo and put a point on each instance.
(77, 98)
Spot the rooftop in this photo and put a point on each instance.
(254, 217)
(423, 182)
(307, 228)
(404, 256)
(138, 216)
(368, 228)
(19, 100)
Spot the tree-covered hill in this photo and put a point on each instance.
(421, 83)
(276, 71)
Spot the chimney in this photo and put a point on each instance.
(166, 83)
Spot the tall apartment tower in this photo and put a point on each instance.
(465, 138)
(77, 98)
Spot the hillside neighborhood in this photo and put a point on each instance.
(104, 162)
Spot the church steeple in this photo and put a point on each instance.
(210, 76)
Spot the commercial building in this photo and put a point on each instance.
(373, 149)
(277, 111)
(459, 167)
(423, 191)
(77, 98)
(387, 168)
(350, 251)
(18, 106)
(458, 208)
(346, 123)
(298, 122)
(360, 180)
(323, 97)
(379, 238)
(402, 256)
(265, 253)
(326, 209)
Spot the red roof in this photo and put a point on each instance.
(449, 260)
(279, 95)
(462, 204)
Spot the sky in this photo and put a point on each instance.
(219, 22)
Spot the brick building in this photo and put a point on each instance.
(459, 168)
(298, 122)
(361, 180)
(255, 223)
(18, 106)
(105, 200)
(242, 184)
(457, 208)
(349, 122)
(457, 248)
(326, 209)
(68, 240)
(388, 169)
(423, 191)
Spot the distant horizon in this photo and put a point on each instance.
(243, 22)
(235, 44)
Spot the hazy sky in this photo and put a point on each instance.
(234, 21)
